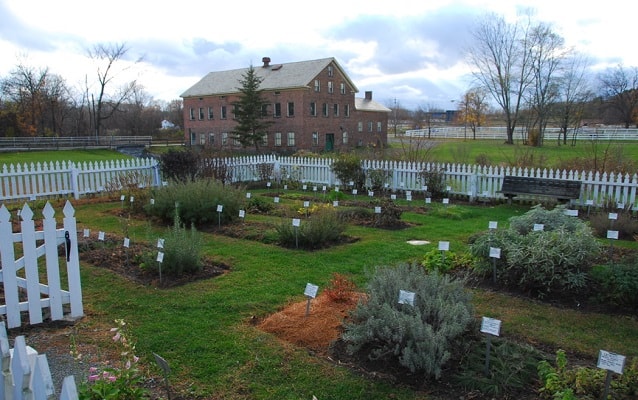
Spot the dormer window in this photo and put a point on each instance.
(330, 70)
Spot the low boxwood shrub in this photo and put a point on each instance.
(422, 337)
(196, 202)
(617, 283)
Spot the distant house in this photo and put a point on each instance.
(312, 106)
(166, 124)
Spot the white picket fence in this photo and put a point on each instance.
(24, 290)
(473, 181)
(26, 375)
(66, 178)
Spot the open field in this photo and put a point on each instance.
(204, 330)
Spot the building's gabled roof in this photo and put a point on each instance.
(274, 77)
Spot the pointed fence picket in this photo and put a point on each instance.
(23, 289)
(26, 374)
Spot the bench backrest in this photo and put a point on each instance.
(550, 187)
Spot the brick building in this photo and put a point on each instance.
(312, 105)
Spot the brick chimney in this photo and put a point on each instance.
(368, 95)
(266, 61)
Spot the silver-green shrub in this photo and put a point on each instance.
(422, 337)
(555, 259)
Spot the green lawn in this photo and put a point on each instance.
(60, 155)
(202, 329)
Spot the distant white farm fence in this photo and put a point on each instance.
(36, 180)
(464, 180)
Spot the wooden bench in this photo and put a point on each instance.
(560, 189)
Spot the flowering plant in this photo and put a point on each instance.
(124, 382)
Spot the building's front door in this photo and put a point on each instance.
(330, 141)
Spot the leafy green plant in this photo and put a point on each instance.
(422, 337)
(376, 179)
(196, 202)
(617, 283)
(322, 228)
(512, 368)
(260, 205)
(113, 382)
(347, 167)
(182, 251)
(437, 261)
(434, 179)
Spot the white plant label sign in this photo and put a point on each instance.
(127, 242)
(589, 202)
(276, 199)
(296, 222)
(242, 213)
(311, 290)
(408, 197)
(444, 246)
(611, 361)
(220, 208)
(100, 236)
(160, 256)
(335, 203)
(613, 216)
(491, 326)
(495, 252)
(377, 210)
(446, 201)
(160, 243)
(306, 204)
(493, 225)
(428, 200)
(393, 197)
(87, 232)
(612, 235)
(406, 297)
(248, 195)
(354, 191)
(538, 227)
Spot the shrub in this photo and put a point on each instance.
(560, 382)
(180, 165)
(376, 179)
(435, 181)
(321, 229)
(182, 251)
(437, 261)
(553, 260)
(130, 184)
(347, 167)
(259, 204)
(390, 215)
(513, 367)
(422, 337)
(197, 202)
(626, 225)
(617, 283)
(340, 288)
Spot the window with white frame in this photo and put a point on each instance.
(345, 137)
(317, 85)
(315, 138)
(191, 113)
(325, 109)
(346, 110)
(211, 138)
(210, 112)
(342, 88)
(313, 109)
(369, 126)
(201, 113)
(277, 113)
(330, 70)
(379, 126)
(360, 126)
(223, 112)
(224, 138)
(331, 88)
(335, 109)
(202, 139)
(277, 138)
(291, 139)
(291, 109)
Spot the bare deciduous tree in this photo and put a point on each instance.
(619, 88)
(573, 93)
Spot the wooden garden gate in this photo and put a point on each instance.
(26, 289)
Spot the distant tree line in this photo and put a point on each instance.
(36, 102)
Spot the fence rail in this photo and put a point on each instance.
(41, 180)
(493, 132)
(63, 142)
(473, 181)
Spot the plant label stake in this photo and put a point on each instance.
(354, 193)
(304, 187)
(611, 235)
(220, 208)
(160, 243)
(491, 327)
(248, 195)
(393, 197)
(538, 227)
(160, 259)
(589, 203)
(612, 217)
(443, 247)
(612, 363)
(495, 252)
(306, 206)
(86, 232)
(571, 213)
(370, 193)
(406, 297)
(446, 201)
(276, 199)
(127, 243)
(242, 215)
(310, 292)
(152, 202)
(166, 370)
(296, 222)
(122, 197)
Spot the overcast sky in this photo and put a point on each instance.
(408, 50)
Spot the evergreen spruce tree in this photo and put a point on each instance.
(250, 111)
